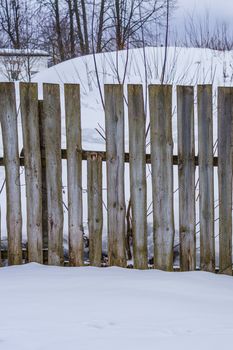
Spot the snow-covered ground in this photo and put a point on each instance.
(52, 308)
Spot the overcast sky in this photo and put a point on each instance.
(218, 11)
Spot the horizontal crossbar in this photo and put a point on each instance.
(102, 154)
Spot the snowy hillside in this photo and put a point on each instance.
(184, 66)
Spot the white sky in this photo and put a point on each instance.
(218, 9)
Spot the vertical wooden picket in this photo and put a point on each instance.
(43, 179)
(74, 173)
(206, 177)
(8, 118)
(95, 208)
(114, 121)
(32, 164)
(160, 102)
(137, 159)
(52, 124)
(186, 160)
(225, 142)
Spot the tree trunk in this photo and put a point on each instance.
(72, 41)
(58, 30)
(100, 28)
(85, 27)
(79, 27)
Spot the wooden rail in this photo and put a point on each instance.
(102, 154)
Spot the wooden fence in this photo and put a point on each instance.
(42, 156)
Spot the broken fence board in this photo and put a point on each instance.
(95, 208)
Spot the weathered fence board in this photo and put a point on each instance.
(43, 179)
(32, 157)
(206, 177)
(74, 173)
(160, 102)
(114, 125)
(95, 208)
(137, 160)
(52, 123)
(186, 153)
(225, 142)
(8, 118)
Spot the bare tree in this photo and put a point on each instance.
(202, 33)
(82, 25)
(71, 24)
(56, 9)
(11, 18)
(69, 28)
(130, 16)
(101, 21)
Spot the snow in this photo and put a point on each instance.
(55, 308)
(23, 52)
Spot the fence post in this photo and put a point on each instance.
(114, 122)
(43, 179)
(8, 117)
(137, 159)
(206, 182)
(32, 164)
(52, 125)
(95, 208)
(225, 120)
(186, 160)
(160, 102)
(74, 173)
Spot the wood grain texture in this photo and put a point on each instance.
(114, 127)
(74, 173)
(95, 208)
(32, 156)
(206, 177)
(186, 159)
(43, 180)
(225, 142)
(137, 160)
(8, 118)
(160, 102)
(52, 123)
